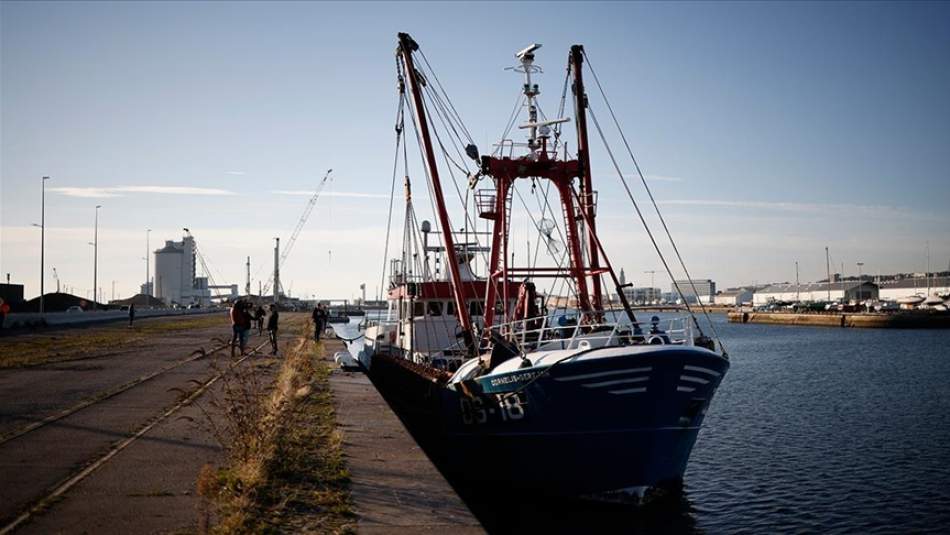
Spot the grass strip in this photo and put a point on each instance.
(285, 470)
(61, 345)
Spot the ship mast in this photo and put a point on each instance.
(406, 47)
(583, 156)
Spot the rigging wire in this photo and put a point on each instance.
(643, 220)
(439, 83)
(519, 103)
(400, 125)
(653, 201)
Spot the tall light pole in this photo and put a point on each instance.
(798, 296)
(95, 258)
(148, 289)
(43, 245)
(276, 271)
(860, 280)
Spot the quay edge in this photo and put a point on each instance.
(899, 320)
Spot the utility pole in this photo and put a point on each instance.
(148, 274)
(247, 287)
(860, 281)
(828, 269)
(113, 291)
(276, 270)
(43, 245)
(798, 291)
(95, 259)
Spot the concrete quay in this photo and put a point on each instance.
(394, 485)
(896, 320)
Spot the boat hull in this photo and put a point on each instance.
(601, 428)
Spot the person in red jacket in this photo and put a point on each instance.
(4, 310)
(240, 325)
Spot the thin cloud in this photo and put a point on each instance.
(118, 191)
(238, 173)
(353, 194)
(85, 192)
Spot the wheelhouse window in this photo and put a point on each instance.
(418, 309)
(476, 308)
(434, 308)
(450, 309)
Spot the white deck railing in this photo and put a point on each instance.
(548, 333)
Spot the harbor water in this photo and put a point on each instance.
(812, 430)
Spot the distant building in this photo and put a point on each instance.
(705, 290)
(734, 297)
(820, 291)
(893, 290)
(175, 274)
(146, 289)
(639, 296)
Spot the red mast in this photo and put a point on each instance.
(406, 47)
(583, 155)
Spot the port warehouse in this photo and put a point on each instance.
(891, 290)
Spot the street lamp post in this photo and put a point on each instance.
(95, 258)
(798, 291)
(43, 245)
(860, 280)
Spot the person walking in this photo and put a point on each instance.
(259, 316)
(131, 313)
(272, 328)
(240, 325)
(317, 322)
(4, 310)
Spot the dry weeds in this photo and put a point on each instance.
(285, 469)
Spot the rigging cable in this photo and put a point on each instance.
(400, 125)
(643, 220)
(653, 201)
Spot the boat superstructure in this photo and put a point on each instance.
(501, 370)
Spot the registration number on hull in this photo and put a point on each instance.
(508, 408)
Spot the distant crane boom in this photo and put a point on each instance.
(300, 224)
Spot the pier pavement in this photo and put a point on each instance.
(105, 441)
(395, 488)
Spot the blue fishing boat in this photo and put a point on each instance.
(564, 395)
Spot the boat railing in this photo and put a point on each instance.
(553, 332)
(550, 332)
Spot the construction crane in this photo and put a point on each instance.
(300, 224)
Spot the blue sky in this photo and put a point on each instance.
(769, 130)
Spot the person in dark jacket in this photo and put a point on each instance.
(259, 316)
(131, 313)
(272, 328)
(319, 321)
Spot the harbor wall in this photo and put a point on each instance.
(903, 320)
